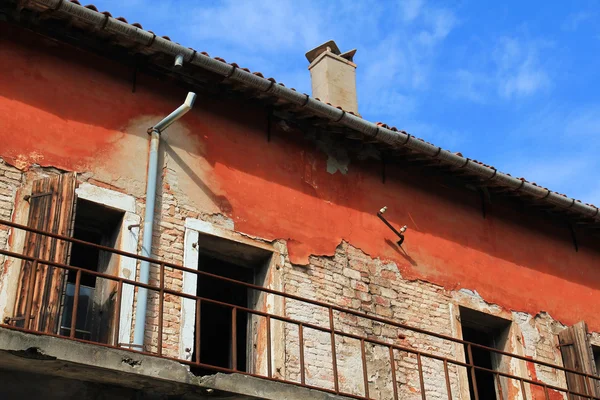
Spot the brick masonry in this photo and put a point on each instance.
(11, 180)
(354, 280)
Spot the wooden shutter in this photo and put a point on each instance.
(51, 209)
(577, 354)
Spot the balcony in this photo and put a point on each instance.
(276, 337)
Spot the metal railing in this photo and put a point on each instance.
(330, 329)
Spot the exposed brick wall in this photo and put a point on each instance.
(540, 336)
(167, 245)
(10, 181)
(354, 280)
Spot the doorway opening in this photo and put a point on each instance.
(227, 339)
(217, 339)
(490, 331)
(100, 225)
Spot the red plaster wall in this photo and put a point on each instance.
(64, 108)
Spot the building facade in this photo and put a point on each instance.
(269, 257)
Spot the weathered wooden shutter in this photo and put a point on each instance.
(51, 209)
(577, 354)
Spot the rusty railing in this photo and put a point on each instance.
(330, 329)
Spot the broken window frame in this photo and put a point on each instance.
(61, 193)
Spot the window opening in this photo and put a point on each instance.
(100, 225)
(216, 335)
(489, 331)
(241, 262)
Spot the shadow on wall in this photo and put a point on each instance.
(401, 251)
(220, 201)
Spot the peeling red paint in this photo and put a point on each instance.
(65, 116)
(518, 266)
(71, 110)
(537, 392)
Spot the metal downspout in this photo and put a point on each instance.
(142, 298)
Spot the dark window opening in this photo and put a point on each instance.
(216, 329)
(489, 331)
(100, 225)
(229, 258)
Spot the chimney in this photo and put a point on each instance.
(333, 76)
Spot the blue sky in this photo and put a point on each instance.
(513, 84)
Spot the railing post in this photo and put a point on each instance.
(161, 299)
(118, 312)
(29, 299)
(393, 365)
(234, 338)
(333, 355)
(301, 339)
(523, 392)
(499, 384)
(447, 375)
(197, 333)
(363, 356)
(421, 381)
(75, 304)
(472, 368)
(269, 371)
(546, 394)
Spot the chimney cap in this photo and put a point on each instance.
(349, 55)
(332, 47)
(327, 46)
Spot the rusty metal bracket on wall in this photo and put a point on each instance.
(385, 221)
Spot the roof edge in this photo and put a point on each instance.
(379, 132)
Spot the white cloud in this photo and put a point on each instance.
(556, 148)
(389, 102)
(513, 69)
(411, 9)
(574, 20)
(265, 25)
(525, 80)
(584, 124)
(554, 172)
(518, 69)
(441, 22)
(561, 173)
(470, 85)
